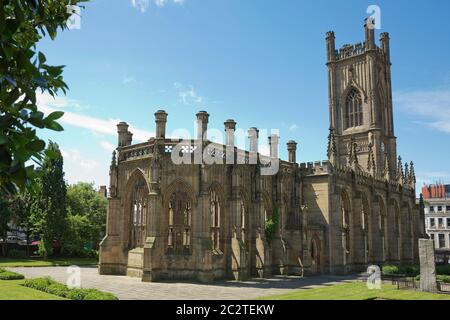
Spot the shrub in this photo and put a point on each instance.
(390, 270)
(444, 270)
(99, 295)
(412, 270)
(38, 284)
(17, 254)
(50, 286)
(76, 294)
(441, 278)
(9, 275)
(58, 289)
(409, 271)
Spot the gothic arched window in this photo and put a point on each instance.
(345, 216)
(139, 211)
(353, 116)
(365, 227)
(215, 220)
(180, 210)
(242, 219)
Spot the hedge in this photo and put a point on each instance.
(9, 275)
(444, 270)
(412, 270)
(439, 277)
(409, 271)
(50, 286)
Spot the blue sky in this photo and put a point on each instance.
(261, 63)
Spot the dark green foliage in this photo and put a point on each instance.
(78, 234)
(444, 270)
(443, 278)
(17, 254)
(50, 286)
(99, 295)
(439, 277)
(49, 211)
(21, 209)
(23, 73)
(9, 275)
(403, 270)
(86, 219)
(5, 217)
(412, 270)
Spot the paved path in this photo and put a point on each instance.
(133, 289)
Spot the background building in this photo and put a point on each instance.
(437, 216)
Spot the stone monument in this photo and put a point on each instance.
(427, 266)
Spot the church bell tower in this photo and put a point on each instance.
(360, 104)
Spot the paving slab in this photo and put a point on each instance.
(127, 288)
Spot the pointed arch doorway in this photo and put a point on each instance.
(138, 213)
(315, 250)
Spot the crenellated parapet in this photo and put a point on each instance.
(348, 51)
(315, 168)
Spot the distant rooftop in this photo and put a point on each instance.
(436, 191)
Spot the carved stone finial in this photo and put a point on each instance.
(387, 169)
(113, 160)
(352, 154)
(371, 165)
(412, 174)
(399, 170)
(406, 177)
(331, 149)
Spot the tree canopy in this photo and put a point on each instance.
(50, 211)
(86, 217)
(23, 72)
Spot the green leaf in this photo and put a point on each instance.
(42, 58)
(51, 154)
(36, 145)
(55, 126)
(55, 115)
(37, 122)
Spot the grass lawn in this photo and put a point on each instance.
(12, 290)
(39, 262)
(357, 291)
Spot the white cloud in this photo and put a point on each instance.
(95, 125)
(78, 165)
(79, 168)
(160, 3)
(432, 105)
(59, 102)
(142, 5)
(293, 127)
(187, 94)
(128, 80)
(74, 155)
(108, 146)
